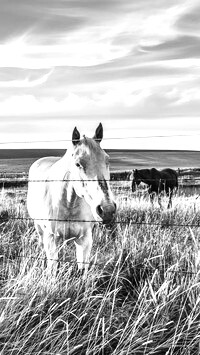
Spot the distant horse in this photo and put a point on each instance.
(164, 180)
(67, 195)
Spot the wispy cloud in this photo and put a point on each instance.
(28, 80)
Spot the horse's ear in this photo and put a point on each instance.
(98, 133)
(75, 136)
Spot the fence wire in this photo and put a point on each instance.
(105, 138)
(123, 177)
(75, 262)
(127, 221)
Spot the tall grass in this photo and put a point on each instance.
(141, 294)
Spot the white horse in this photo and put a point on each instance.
(67, 195)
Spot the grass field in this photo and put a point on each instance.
(141, 295)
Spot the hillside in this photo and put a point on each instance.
(19, 160)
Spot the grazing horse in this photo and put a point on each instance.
(164, 180)
(67, 195)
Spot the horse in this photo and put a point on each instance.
(158, 181)
(67, 195)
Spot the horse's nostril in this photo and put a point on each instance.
(99, 210)
(106, 212)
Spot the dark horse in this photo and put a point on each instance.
(165, 180)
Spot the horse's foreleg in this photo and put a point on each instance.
(170, 199)
(40, 233)
(51, 248)
(83, 249)
(151, 198)
(159, 200)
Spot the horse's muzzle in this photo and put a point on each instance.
(106, 212)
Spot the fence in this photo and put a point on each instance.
(87, 263)
(105, 138)
(6, 181)
(126, 221)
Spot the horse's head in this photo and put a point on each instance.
(90, 170)
(136, 179)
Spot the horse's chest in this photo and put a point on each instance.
(73, 230)
(71, 216)
(77, 219)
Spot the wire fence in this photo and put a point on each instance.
(122, 221)
(105, 138)
(144, 264)
(126, 221)
(61, 180)
(80, 180)
(115, 175)
(4, 217)
(148, 181)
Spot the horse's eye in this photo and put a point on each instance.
(78, 165)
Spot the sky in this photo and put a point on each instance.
(132, 65)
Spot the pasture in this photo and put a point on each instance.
(141, 294)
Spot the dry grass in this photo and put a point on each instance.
(141, 295)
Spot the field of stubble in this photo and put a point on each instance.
(141, 295)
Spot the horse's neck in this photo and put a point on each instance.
(68, 178)
(72, 198)
(147, 179)
(60, 170)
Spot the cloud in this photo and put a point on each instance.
(153, 102)
(18, 78)
(176, 48)
(15, 19)
(80, 32)
(112, 89)
(91, 58)
(189, 21)
(48, 21)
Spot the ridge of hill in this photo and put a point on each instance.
(19, 160)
